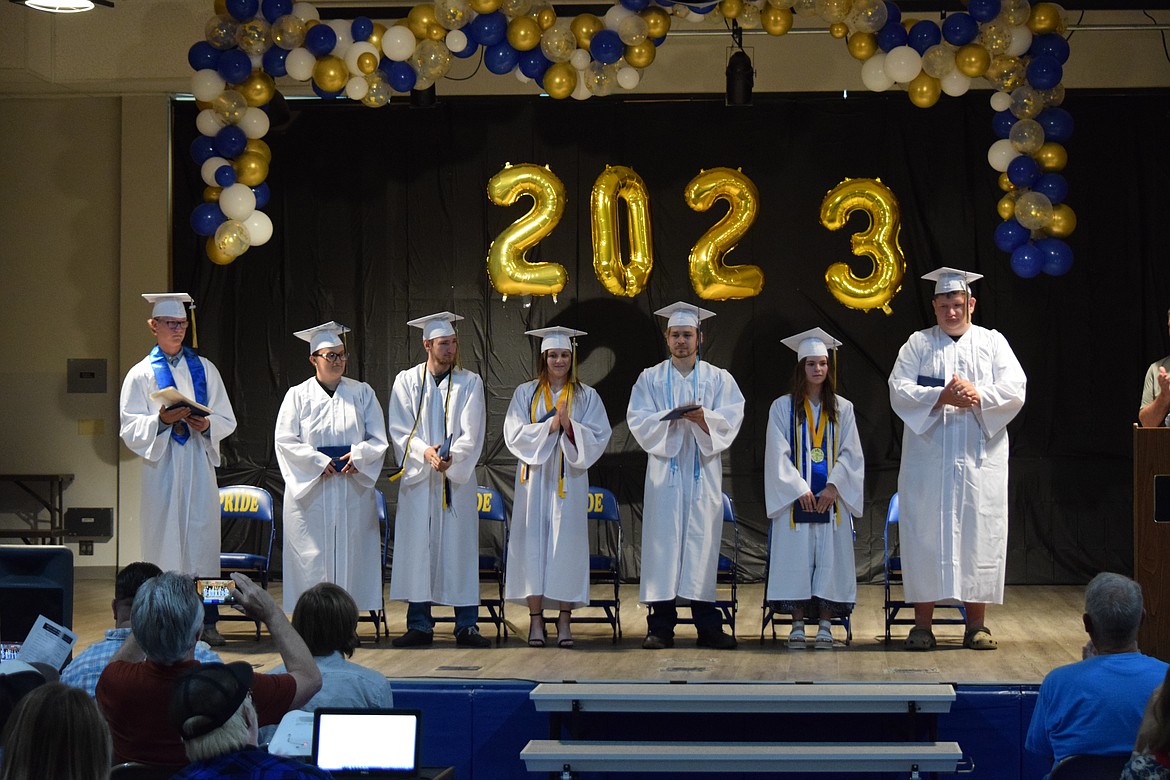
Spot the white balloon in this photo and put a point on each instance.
(628, 78)
(344, 30)
(208, 169)
(580, 59)
(902, 64)
(955, 83)
(356, 50)
(237, 201)
(581, 91)
(208, 122)
(519, 74)
(1021, 41)
(257, 61)
(305, 11)
(1001, 101)
(456, 41)
(873, 73)
(255, 123)
(614, 16)
(259, 228)
(357, 87)
(299, 63)
(207, 85)
(1001, 154)
(398, 43)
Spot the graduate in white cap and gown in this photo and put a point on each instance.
(956, 387)
(557, 428)
(814, 473)
(684, 412)
(179, 447)
(436, 421)
(330, 513)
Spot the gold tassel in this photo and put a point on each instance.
(194, 332)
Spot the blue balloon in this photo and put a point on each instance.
(1058, 256)
(402, 77)
(501, 58)
(959, 29)
(471, 48)
(666, 3)
(384, 65)
(1027, 260)
(234, 66)
(324, 94)
(361, 28)
(1057, 124)
(606, 46)
(1002, 123)
(206, 217)
(703, 10)
(893, 13)
(1044, 72)
(202, 149)
(1010, 234)
(1023, 170)
(320, 40)
(230, 142)
(1050, 45)
(1052, 186)
(892, 36)
(242, 9)
(636, 5)
(923, 35)
(983, 10)
(274, 9)
(658, 41)
(225, 176)
(203, 56)
(273, 61)
(533, 64)
(488, 29)
(263, 194)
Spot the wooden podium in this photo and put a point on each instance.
(1151, 540)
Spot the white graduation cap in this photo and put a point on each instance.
(811, 343)
(435, 326)
(556, 337)
(169, 304)
(321, 336)
(949, 280)
(683, 314)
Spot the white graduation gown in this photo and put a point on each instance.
(682, 514)
(812, 559)
(548, 541)
(331, 523)
(436, 549)
(952, 486)
(180, 497)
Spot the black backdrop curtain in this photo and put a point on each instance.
(381, 216)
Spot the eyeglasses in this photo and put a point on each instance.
(333, 357)
(172, 324)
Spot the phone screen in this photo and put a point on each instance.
(216, 591)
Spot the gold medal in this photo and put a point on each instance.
(817, 455)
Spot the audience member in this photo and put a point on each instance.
(17, 680)
(1094, 706)
(56, 733)
(84, 670)
(213, 712)
(1151, 754)
(136, 686)
(326, 618)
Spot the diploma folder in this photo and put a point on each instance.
(335, 453)
(678, 412)
(171, 398)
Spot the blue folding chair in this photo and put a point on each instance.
(253, 505)
(493, 524)
(378, 616)
(894, 602)
(727, 571)
(605, 560)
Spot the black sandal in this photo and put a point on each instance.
(536, 641)
(567, 641)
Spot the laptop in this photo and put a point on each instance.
(366, 743)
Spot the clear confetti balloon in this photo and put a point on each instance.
(1026, 103)
(1027, 136)
(600, 79)
(938, 61)
(514, 8)
(1033, 210)
(995, 36)
(231, 237)
(632, 30)
(253, 37)
(1052, 97)
(379, 90)
(833, 11)
(749, 17)
(230, 106)
(288, 32)
(1015, 12)
(807, 8)
(221, 31)
(431, 60)
(867, 16)
(557, 42)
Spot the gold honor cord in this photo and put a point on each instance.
(545, 392)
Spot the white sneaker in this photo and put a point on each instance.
(824, 639)
(797, 639)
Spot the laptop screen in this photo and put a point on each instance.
(366, 742)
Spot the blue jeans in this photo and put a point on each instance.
(418, 617)
(210, 614)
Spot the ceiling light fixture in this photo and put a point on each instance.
(64, 6)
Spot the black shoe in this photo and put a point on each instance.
(470, 637)
(718, 641)
(652, 642)
(413, 638)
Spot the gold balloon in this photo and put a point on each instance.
(419, 18)
(211, 194)
(1006, 206)
(251, 169)
(436, 31)
(617, 182)
(909, 22)
(879, 242)
(862, 45)
(972, 60)
(508, 268)
(367, 63)
(215, 255)
(657, 22)
(330, 73)
(1052, 157)
(1046, 18)
(776, 21)
(710, 278)
(1005, 183)
(523, 33)
(1064, 221)
(484, 6)
(258, 146)
(640, 55)
(560, 80)
(584, 27)
(546, 17)
(220, 7)
(838, 30)
(730, 9)
(311, 23)
(203, 104)
(375, 38)
(924, 90)
(258, 89)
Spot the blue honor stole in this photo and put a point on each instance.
(818, 470)
(164, 378)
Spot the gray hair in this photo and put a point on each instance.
(233, 735)
(167, 616)
(1114, 604)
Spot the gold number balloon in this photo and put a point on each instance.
(879, 241)
(711, 279)
(509, 270)
(617, 182)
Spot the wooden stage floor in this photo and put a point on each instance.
(1038, 628)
